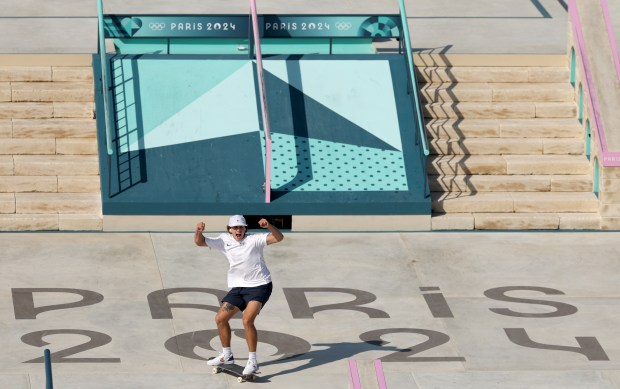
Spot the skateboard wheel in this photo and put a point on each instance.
(240, 379)
(216, 370)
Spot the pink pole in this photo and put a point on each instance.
(263, 101)
(354, 375)
(611, 36)
(380, 374)
(608, 158)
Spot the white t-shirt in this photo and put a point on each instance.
(247, 264)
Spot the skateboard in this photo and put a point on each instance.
(237, 371)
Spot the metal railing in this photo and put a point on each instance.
(410, 65)
(607, 157)
(421, 134)
(263, 100)
(611, 37)
(104, 76)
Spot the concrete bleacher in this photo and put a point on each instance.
(507, 149)
(49, 177)
(486, 126)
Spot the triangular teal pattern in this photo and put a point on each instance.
(294, 113)
(150, 91)
(360, 91)
(316, 149)
(163, 102)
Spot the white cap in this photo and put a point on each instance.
(236, 220)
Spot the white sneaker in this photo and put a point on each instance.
(250, 368)
(222, 359)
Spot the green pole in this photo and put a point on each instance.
(414, 82)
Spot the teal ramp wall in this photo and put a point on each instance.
(188, 140)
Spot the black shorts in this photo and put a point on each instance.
(241, 296)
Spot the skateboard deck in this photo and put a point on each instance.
(235, 370)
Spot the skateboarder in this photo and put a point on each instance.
(248, 278)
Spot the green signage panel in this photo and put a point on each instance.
(330, 26)
(238, 26)
(176, 26)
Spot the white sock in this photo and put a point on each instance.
(226, 351)
(252, 357)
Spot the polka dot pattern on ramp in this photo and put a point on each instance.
(306, 164)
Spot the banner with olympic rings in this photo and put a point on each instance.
(238, 26)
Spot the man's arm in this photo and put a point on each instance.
(199, 239)
(275, 235)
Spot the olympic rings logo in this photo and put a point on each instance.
(157, 26)
(343, 26)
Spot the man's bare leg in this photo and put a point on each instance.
(249, 315)
(223, 316)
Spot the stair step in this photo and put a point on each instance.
(79, 184)
(516, 221)
(6, 128)
(12, 146)
(50, 222)
(483, 146)
(78, 146)
(49, 184)
(510, 183)
(556, 110)
(88, 203)
(7, 203)
(56, 165)
(15, 184)
(497, 92)
(46, 109)
(54, 128)
(542, 127)
(52, 91)
(26, 110)
(508, 164)
(479, 74)
(511, 110)
(72, 73)
(547, 164)
(25, 73)
(29, 222)
(71, 109)
(6, 165)
(509, 128)
(5, 91)
(515, 202)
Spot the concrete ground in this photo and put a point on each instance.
(440, 310)
(438, 26)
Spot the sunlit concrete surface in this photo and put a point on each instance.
(438, 26)
(439, 310)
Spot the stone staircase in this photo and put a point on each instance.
(49, 169)
(507, 149)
